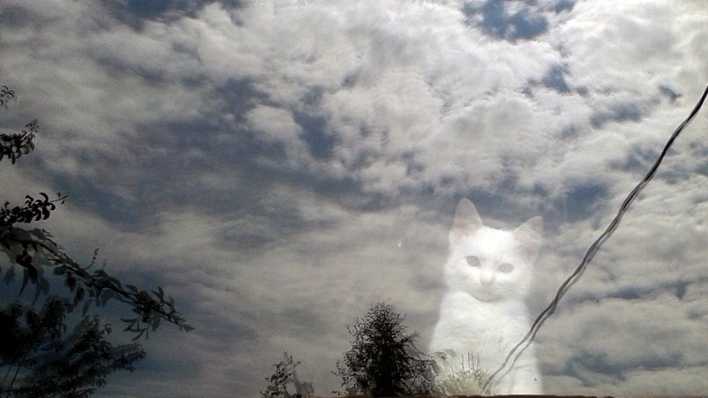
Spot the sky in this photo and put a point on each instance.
(280, 166)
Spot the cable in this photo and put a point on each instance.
(590, 252)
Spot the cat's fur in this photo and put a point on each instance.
(483, 311)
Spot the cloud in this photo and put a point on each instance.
(494, 19)
(613, 359)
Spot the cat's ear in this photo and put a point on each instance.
(467, 220)
(530, 236)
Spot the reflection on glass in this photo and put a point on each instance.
(483, 313)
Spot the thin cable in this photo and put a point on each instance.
(590, 253)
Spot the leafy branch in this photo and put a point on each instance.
(33, 210)
(17, 144)
(95, 287)
(278, 381)
(6, 95)
(33, 249)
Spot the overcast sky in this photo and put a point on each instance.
(280, 166)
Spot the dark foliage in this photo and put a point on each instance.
(285, 374)
(34, 250)
(383, 360)
(6, 95)
(15, 145)
(45, 361)
(39, 360)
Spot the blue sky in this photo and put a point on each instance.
(279, 166)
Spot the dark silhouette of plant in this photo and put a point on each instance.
(46, 362)
(383, 360)
(285, 374)
(74, 366)
(6, 95)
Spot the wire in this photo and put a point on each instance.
(590, 253)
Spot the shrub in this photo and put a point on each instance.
(454, 378)
(285, 374)
(384, 360)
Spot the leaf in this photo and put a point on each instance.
(9, 275)
(44, 285)
(24, 259)
(33, 273)
(107, 295)
(37, 292)
(70, 282)
(87, 305)
(79, 295)
(139, 335)
(25, 279)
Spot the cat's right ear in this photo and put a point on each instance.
(466, 222)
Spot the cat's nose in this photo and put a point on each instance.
(486, 278)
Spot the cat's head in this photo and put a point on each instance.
(491, 264)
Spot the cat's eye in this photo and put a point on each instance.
(506, 268)
(472, 261)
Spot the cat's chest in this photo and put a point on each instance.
(466, 322)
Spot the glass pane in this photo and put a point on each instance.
(322, 178)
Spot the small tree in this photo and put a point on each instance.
(383, 360)
(285, 374)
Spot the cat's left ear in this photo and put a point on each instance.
(466, 222)
(530, 234)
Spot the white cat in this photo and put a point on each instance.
(483, 312)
